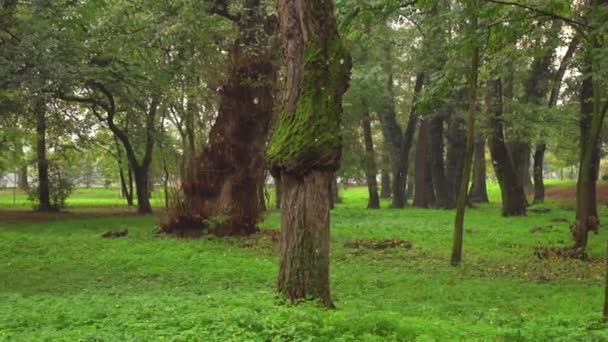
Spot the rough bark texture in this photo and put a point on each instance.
(479, 192)
(512, 192)
(305, 148)
(423, 183)
(222, 196)
(369, 161)
(44, 202)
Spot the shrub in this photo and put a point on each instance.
(60, 188)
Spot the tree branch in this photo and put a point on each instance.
(570, 21)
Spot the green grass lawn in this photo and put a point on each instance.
(60, 281)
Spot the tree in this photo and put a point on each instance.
(472, 84)
(225, 179)
(305, 146)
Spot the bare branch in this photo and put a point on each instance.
(573, 22)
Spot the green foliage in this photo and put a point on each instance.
(142, 287)
(60, 188)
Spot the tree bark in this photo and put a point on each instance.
(454, 156)
(305, 148)
(511, 190)
(479, 192)
(222, 196)
(399, 142)
(439, 180)
(587, 218)
(539, 185)
(423, 185)
(385, 184)
(44, 202)
(472, 80)
(369, 162)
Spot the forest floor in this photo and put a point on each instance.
(61, 281)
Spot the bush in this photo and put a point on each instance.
(60, 188)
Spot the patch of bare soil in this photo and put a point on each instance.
(567, 193)
(17, 216)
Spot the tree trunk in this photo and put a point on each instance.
(304, 246)
(369, 161)
(520, 155)
(277, 192)
(142, 188)
(306, 145)
(385, 184)
(479, 192)
(222, 196)
(423, 193)
(463, 188)
(454, 156)
(44, 202)
(513, 197)
(436, 146)
(539, 185)
(23, 182)
(591, 118)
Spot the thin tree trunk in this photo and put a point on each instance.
(456, 257)
(142, 188)
(44, 202)
(369, 161)
(479, 192)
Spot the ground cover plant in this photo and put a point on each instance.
(60, 280)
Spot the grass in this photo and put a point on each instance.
(60, 281)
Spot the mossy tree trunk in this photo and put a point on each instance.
(305, 148)
(222, 194)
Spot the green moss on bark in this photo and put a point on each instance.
(311, 131)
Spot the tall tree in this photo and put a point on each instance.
(226, 176)
(305, 147)
(472, 84)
